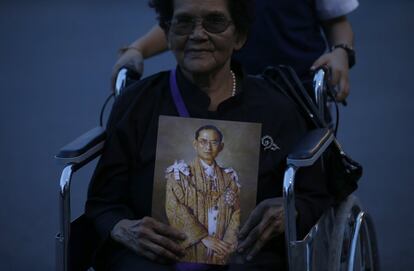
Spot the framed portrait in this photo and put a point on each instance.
(205, 183)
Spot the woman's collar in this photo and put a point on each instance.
(197, 99)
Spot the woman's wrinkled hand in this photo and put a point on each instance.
(265, 222)
(150, 238)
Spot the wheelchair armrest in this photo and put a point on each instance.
(84, 148)
(310, 148)
(306, 153)
(74, 155)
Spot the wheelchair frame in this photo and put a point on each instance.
(342, 239)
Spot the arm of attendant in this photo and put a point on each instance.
(338, 31)
(181, 216)
(152, 43)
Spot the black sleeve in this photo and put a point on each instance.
(107, 201)
(312, 197)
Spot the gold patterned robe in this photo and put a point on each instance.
(200, 207)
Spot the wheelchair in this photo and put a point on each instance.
(343, 238)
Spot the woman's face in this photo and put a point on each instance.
(200, 51)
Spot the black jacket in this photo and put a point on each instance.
(123, 180)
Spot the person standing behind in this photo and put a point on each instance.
(284, 32)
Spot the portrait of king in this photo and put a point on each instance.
(203, 200)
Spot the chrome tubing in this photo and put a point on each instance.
(62, 238)
(364, 238)
(120, 82)
(290, 209)
(319, 87)
(354, 243)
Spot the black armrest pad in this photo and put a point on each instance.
(83, 143)
(310, 144)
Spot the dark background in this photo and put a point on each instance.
(55, 63)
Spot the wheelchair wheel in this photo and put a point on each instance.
(353, 243)
(365, 256)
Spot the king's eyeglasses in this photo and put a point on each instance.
(184, 25)
(204, 142)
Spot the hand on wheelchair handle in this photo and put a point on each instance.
(337, 62)
(131, 59)
(150, 238)
(265, 222)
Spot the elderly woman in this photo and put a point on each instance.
(202, 34)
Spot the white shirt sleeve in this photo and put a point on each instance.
(329, 9)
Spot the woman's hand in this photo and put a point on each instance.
(218, 246)
(131, 59)
(265, 222)
(149, 238)
(337, 61)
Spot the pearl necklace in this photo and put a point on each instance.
(233, 91)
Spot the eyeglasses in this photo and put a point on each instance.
(204, 142)
(184, 25)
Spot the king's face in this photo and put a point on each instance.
(208, 145)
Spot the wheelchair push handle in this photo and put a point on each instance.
(320, 85)
(124, 78)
